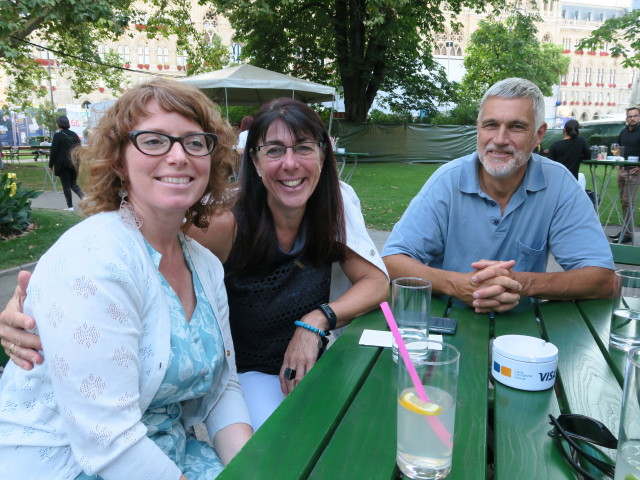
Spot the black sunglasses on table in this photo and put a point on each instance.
(579, 431)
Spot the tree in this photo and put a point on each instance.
(510, 48)
(363, 46)
(73, 29)
(624, 35)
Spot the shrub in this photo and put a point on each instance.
(15, 205)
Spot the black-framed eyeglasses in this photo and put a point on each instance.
(300, 150)
(575, 435)
(157, 143)
(633, 116)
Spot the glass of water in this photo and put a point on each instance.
(411, 304)
(628, 457)
(625, 311)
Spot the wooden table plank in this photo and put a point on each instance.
(289, 443)
(587, 383)
(520, 417)
(598, 317)
(470, 437)
(364, 445)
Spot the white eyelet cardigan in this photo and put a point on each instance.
(104, 324)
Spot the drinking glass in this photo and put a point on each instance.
(411, 304)
(615, 149)
(425, 429)
(625, 310)
(628, 457)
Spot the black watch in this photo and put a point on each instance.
(330, 314)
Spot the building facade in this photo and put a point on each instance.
(596, 85)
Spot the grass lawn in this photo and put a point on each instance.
(30, 174)
(30, 247)
(385, 190)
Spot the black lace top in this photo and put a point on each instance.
(262, 308)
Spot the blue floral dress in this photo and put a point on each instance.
(195, 363)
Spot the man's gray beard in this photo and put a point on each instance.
(503, 170)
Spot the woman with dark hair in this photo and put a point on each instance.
(293, 219)
(571, 149)
(60, 159)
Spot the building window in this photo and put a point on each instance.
(163, 56)
(575, 77)
(143, 55)
(612, 76)
(587, 75)
(564, 13)
(182, 58)
(210, 25)
(102, 51)
(566, 42)
(576, 15)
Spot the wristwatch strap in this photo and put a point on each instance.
(330, 314)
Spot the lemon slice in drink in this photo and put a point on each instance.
(412, 402)
(631, 476)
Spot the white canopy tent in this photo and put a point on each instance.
(249, 85)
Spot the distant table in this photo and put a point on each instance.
(600, 192)
(340, 421)
(342, 158)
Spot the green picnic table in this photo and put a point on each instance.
(340, 421)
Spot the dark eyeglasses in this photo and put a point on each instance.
(156, 143)
(579, 431)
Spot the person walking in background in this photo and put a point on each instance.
(572, 149)
(628, 179)
(245, 123)
(60, 160)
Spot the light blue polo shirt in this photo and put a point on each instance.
(452, 222)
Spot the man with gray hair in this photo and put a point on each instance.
(482, 227)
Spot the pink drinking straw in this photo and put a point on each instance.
(433, 420)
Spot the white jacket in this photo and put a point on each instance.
(97, 297)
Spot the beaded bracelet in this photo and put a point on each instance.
(311, 328)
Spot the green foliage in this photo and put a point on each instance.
(15, 205)
(74, 29)
(623, 33)
(464, 113)
(510, 48)
(360, 47)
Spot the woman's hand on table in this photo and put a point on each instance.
(302, 352)
(22, 347)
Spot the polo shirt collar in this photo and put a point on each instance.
(533, 181)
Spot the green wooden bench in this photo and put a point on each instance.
(625, 254)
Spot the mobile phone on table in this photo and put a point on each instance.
(443, 325)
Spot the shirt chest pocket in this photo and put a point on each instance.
(531, 258)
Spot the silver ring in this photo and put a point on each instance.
(11, 348)
(289, 374)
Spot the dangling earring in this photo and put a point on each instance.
(128, 214)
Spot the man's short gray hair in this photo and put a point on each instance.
(517, 88)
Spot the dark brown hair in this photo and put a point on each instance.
(326, 235)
